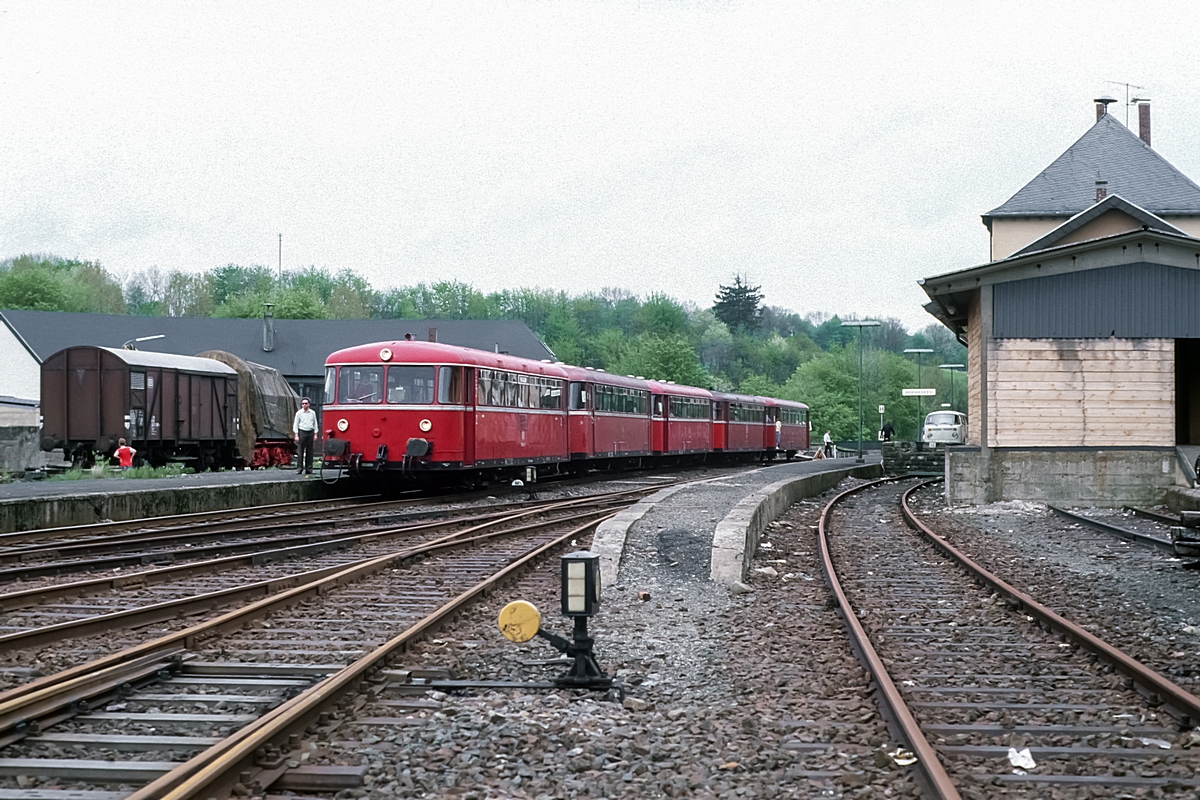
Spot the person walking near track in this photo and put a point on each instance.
(305, 428)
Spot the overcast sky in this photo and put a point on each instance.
(832, 152)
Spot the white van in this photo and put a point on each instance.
(948, 427)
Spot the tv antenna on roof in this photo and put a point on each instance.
(1127, 86)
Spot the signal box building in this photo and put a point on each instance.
(1083, 332)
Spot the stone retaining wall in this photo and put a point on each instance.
(736, 536)
(914, 458)
(19, 448)
(83, 509)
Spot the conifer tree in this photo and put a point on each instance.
(739, 306)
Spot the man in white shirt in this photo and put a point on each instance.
(305, 428)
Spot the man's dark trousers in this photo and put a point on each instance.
(305, 456)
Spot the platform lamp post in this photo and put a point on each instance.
(860, 324)
(953, 369)
(129, 345)
(920, 351)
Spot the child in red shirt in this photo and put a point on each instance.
(125, 454)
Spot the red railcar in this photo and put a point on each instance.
(402, 405)
(787, 431)
(680, 419)
(609, 415)
(423, 408)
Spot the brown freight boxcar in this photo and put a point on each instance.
(169, 408)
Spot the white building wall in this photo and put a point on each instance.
(20, 372)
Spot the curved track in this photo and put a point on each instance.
(971, 672)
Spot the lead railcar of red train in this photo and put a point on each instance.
(423, 409)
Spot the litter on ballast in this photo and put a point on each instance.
(1022, 759)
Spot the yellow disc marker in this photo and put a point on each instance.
(519, 621)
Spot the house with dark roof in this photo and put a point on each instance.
(295, 347)
(1083, 331)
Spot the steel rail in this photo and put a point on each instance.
(1116, 530)
(184, 606)
(222, 761)
(935, 775)
(14, 700)
(26, 597)
(1182, 703)
(1165, 519)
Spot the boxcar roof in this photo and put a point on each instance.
(408, 352)
(300, 345)
(143, 358)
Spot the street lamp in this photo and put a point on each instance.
(860, 324)
(129, 345)
(953, 368)
(920, 351)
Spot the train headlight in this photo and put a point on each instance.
(425, 425)
(343, 424)
(385, 354)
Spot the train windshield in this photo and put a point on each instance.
(450, 386)
(410, 385)
(360, 385)
(330, 383)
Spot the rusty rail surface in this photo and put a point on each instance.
(221, 764)
(1181, 703)
(928, 763)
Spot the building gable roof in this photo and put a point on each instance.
(300, 345)
(1114, 202)
(950, 293)
(1110, 152)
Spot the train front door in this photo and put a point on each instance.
(469, 419)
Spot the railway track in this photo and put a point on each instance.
(238, 697)
(992, 691)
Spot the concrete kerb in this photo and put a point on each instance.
(736, 536)
(85, 508)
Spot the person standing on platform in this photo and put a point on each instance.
(828, 447)
(305, 428)
(888, 431)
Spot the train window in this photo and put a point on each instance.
(551, 392)
(361, 385)
(410, 385)
(658, 405)
(330, 384)
(450, 385)
(578, 396)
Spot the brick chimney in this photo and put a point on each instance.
(1144, 120)
(1102, 106)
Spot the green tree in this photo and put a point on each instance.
(738, 306)
(32, 289)
(670, 358)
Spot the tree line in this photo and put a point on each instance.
(740, 343)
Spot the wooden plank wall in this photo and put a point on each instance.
(1081, 392)
(974, 362)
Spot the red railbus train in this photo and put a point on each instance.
(420, 410)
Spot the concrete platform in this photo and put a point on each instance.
(717, 520)
(47, 504)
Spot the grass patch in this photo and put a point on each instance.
(98, 472)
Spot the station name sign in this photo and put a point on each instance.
(918, 392)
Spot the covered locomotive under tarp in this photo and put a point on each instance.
(267, 406)
(169, 408)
